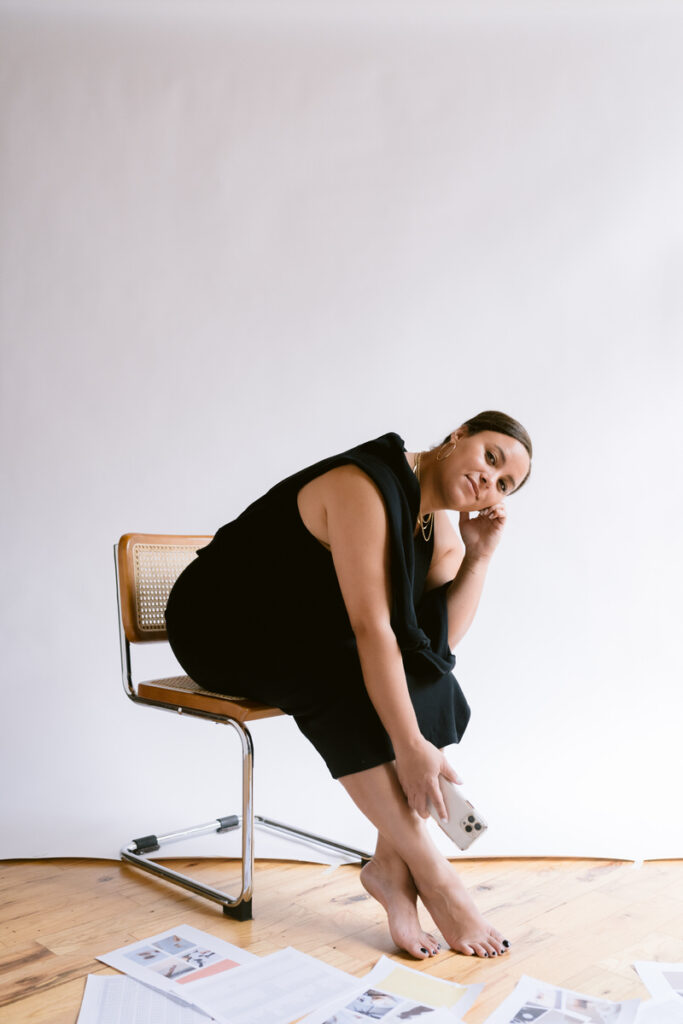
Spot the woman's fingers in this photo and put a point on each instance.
(494, 512)
(424, 812)
(418, 770)
(426, 798)
(449, 772)
(436, 797)
(419, 802)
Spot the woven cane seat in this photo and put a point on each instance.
(182, 692)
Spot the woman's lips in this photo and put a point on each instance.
(475, 489)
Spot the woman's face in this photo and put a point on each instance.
(484, 469)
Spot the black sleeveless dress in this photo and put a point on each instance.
(259, 613)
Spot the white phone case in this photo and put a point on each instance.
(465, 823)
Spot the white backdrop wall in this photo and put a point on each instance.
(236, 239)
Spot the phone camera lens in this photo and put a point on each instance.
(477, 826)
(468, 828)
(471, 818)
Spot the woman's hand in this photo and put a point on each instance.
(418, 767)
(482, 534)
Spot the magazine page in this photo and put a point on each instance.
(392, 993)
(116, 999)
(177, 961)
(661, 979)
(535, 1002)
(668, 1010)
(227, 983)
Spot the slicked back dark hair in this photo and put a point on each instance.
(501, 423)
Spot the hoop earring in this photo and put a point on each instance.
(441, 455)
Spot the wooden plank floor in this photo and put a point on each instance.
(577, 923)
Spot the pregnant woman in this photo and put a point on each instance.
(338, 597)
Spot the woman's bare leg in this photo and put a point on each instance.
(378, 794)
(388, 879)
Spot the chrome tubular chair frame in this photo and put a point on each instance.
(137, 852)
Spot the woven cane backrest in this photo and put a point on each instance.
(149, 565)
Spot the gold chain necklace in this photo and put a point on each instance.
(425, 522)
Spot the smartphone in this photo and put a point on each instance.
(465, 823)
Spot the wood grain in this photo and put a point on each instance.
(570, 922)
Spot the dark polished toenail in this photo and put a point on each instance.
(506, 943)
(423, 950)
(485, 954)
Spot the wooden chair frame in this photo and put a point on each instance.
(146, 568)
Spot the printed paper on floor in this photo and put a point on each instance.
(179, 961)
(393, 993)
(121, 1000)
(661, 1011)
(227, 983)
(662, 980)
(536, 1002)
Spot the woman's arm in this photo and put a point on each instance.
(466, 563)
(354, 524)
(462, 597)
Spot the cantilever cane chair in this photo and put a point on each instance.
(147, 566)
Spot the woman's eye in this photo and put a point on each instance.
(491, 458)
(503, 486)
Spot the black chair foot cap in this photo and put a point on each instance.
(242, 912)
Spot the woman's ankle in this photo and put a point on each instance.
(440, 881)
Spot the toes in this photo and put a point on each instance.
(463, 947)
(429, 942)
(500, 944)
(486, 949)
(421, 946)
(424, 947)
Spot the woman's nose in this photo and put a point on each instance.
(487, 483)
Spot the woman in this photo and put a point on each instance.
(338, 597)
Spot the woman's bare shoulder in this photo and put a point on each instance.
(345, 488)
(343, 482)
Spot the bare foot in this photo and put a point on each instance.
(390, 882)
(463, 927)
